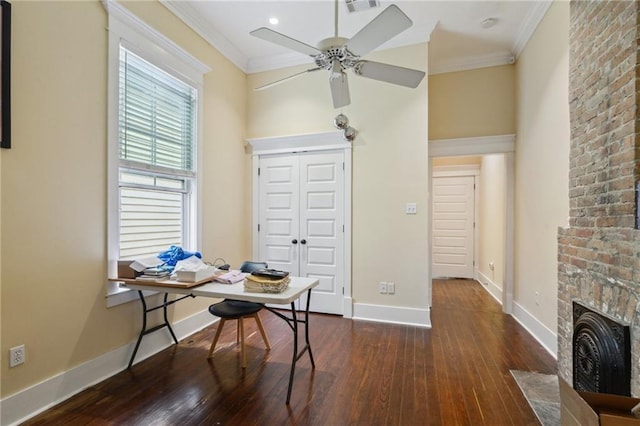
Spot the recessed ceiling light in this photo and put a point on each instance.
(488, 23)
(273, 21)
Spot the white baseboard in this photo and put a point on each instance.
(392, 314)
(25, 404)
(493, 289)
(547, 338)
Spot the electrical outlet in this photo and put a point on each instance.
(411, 208)
(391, 288)
(383, 288)
(16, 356)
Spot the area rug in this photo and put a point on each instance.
(542, 393)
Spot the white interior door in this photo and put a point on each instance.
(453, 226)
(302, 221)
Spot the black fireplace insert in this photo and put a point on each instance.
(601, 353)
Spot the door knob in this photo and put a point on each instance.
(294, 241)
(303, 241)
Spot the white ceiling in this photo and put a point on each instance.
(457, 39)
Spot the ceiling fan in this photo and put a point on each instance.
(338, 54)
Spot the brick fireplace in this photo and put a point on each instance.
(599, 253)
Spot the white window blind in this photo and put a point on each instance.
(156, 149)
(157, 116)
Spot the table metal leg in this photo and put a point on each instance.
(166, 323)
(293, 324)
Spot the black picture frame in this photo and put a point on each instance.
(5, 78)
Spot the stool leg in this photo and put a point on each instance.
(261, 328)
(215, 339)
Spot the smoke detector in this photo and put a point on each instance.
(489, 23)
(358, 5)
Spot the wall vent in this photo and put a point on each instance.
(358, 5)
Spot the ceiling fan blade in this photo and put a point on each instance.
(339, 89)
(389, 73)
(282, 80)
(285, 41)
(388, 24)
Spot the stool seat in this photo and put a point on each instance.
(233, 309)
(230, 309)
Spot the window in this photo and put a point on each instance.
(156, 133)
(154, 114)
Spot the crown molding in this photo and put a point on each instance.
(531, 22)
(470, 63)
(268, 63)
(126, 17)
(191, 18)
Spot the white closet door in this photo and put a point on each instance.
(302, 221)
(453, 217)
(279, 213)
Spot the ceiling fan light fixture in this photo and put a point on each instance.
(341, 121)
(350, 133)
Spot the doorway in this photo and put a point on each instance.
(481, 146)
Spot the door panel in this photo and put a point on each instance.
(279, 201)
(453, 217)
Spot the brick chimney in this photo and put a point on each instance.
(599, 254)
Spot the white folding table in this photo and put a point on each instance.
(207, 288)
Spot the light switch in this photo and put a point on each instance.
(411, 208)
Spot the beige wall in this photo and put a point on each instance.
(389, 167)
(492, 218)
(472, 103)
(542, 163)
(53, 185)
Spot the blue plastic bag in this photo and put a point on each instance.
(174, 254)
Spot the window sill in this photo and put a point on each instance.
(117, 295)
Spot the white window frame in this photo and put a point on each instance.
(128, 30)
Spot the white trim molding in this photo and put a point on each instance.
(530, 23)
(187, 14)
(392, 315)
(546, 337)
(29, 402)
(295, 143)
(482, 145)
(441, 66)
(494, 290)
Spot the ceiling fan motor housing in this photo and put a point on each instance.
(335, 49)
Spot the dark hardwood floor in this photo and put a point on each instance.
(456, 373)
